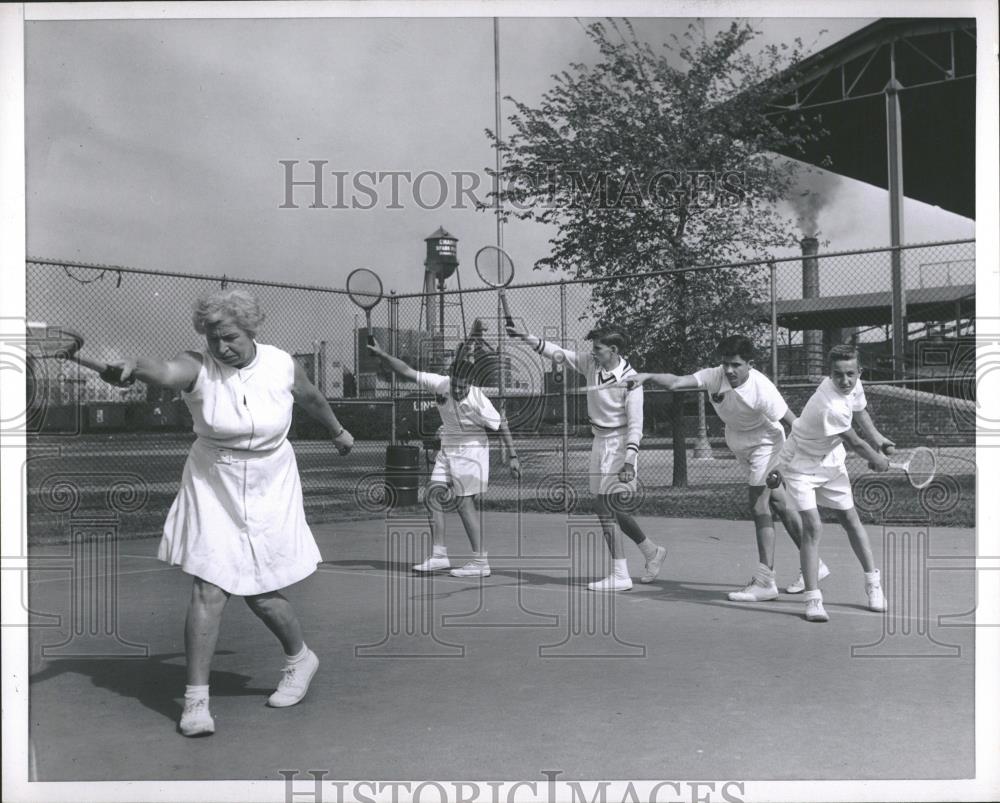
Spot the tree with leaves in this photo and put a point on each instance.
(651, 163)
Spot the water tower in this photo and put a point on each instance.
(440, 263)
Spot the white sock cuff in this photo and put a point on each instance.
(439, 551)
(872, 577)
(194, 692)
(621, 567)
(648, 548)
(293, 659)
(765, 572)
(813, 595)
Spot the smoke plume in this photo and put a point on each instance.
(816, 188)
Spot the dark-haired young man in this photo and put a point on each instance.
(753, 411)
(616, 422)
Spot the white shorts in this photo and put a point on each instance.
(465, 468)
(829, 486)
(812, 481)
(757, 461)
(607, 458)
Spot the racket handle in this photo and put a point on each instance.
(508, 318)
(371, 340)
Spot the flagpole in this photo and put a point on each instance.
(499, 215)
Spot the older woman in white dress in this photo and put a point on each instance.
(237, 524)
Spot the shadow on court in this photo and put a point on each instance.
(152, 682)
(433, 676)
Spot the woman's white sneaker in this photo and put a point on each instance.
(295, 682)
(196, 720)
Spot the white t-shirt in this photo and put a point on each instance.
(462, 422)
(827, 415)
(755, 405)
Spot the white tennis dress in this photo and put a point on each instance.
(238, 520)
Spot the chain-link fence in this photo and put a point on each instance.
(921, 385)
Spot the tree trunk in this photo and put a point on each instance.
(679, 435)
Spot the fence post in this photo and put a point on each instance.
(774, 323)
(393, 349)
(565, 392)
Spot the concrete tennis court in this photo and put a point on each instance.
(526, 672)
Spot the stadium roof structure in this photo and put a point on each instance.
(897, 100)
(930, 66)
(925, 304)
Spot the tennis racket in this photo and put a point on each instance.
(919, 465)
(59, 343)
(496, 269)
(365, 289)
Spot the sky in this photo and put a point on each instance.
(158, 143)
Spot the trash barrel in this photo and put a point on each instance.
(402, 475)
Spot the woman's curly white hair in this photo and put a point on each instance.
(236, 306)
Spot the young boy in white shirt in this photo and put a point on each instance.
(463, 461)
(812, 465)
(616, 422)
(754, 413)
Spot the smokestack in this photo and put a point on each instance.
(810, 267)
(812, 340)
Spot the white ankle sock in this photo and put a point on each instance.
(439, 551)
(813, 595)
(872, 578)
(196, 693)
(294, 659)
(765, 574)
(621, 568)
(648, 549)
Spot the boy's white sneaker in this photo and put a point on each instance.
(434, 563)
(653, 565)
(295, 681)
(800, 585)
(472, 569)
(196, 720)
(756, 590)
(611, 583)
(815, 611)
(876, 599)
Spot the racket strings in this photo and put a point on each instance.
(494, 266)
(364, 288)
(921, 467)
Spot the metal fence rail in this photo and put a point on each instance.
(805, 304)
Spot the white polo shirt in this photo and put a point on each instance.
(828, 414)
(463, 423)
(751, 412)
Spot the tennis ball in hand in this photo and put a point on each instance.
(773, 479)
